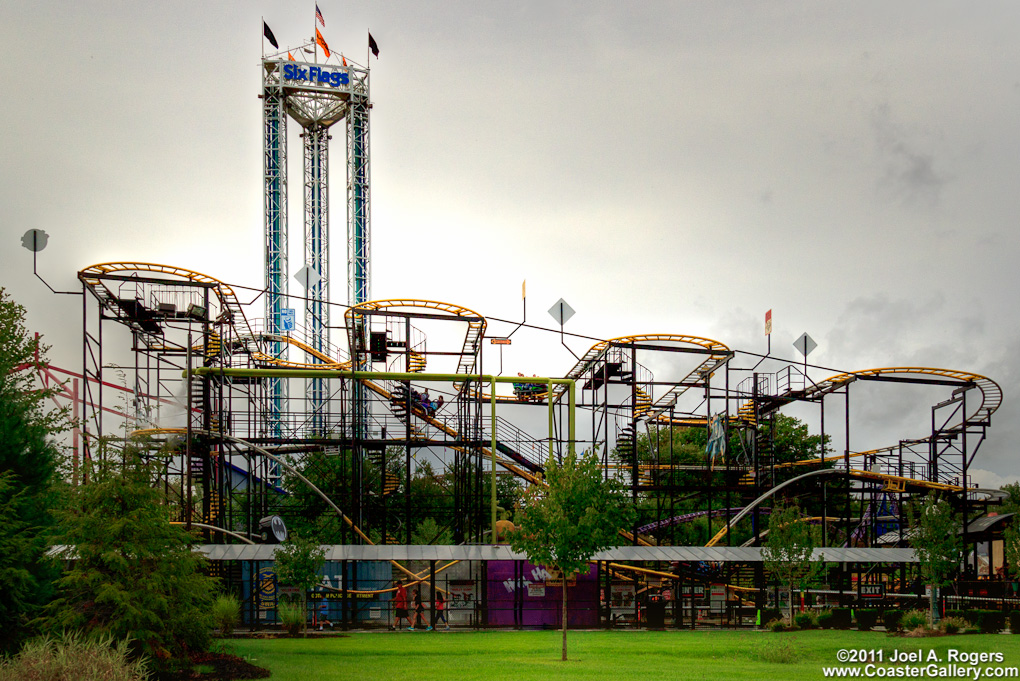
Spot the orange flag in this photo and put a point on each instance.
(345, 59)
(290, 57)
(322, 43)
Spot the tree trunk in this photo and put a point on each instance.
(934, 610)
(563, 576)
(789, 598)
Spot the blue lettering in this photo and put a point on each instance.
(316, 74)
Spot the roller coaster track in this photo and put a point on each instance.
(718, 354)
(91, 277)
(991, 392)
(476, 324)
(894, 483)
(325, 361)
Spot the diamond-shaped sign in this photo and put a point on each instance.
(561, 312)
(308, 277)
(805, 344)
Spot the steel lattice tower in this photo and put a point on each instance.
(316, 97)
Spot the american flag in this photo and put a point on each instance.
(318, 16)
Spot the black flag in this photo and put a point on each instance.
(269, 35)
(373, 45)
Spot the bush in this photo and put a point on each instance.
(781, 625)
(226, 612)
(769, 614)
(1014, 621)
(866, 619)
(914, 619)
(73, 656)
(893, 619)
(990, 621)
(292, 617)
(953, 625)
(825, 619)
(805, 620)
(841, 618)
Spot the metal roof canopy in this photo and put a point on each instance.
(732, 554)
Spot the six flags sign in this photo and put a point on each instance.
(315, 74)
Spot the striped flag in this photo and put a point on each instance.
(322, 42)
(318, 16)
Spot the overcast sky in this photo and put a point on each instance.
(663, 166)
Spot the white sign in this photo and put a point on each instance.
(561, 311)
(805, 344)
(536, 590)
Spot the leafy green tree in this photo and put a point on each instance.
(28, 471)
(936, 541)
(788, 548)
(563, 525)
(130, 572)
(297, 563)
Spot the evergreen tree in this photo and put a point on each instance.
(28, 466)
(130, 572)
(563, 525)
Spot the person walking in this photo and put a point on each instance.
(324, 613)
(400, 606)
(419, 611)
(441, 609)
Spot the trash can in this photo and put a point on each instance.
(655, 612)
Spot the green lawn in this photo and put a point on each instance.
(613, 656)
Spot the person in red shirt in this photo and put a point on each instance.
(400, 605)
(441, 609)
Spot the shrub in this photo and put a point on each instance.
(292, 617)
(825, 619)
(73, 656)
(1014, 621)
(892, 619)
(782, 625)
(953, 625)
(990, 621)
(914, 619)
(841, 618)
(866, 619)
(769, 614)
(226, 612)
(805, 620)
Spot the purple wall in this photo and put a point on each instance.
(538, 611)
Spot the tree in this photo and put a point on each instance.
(131, 573)
(563, 525)
(788, 548)
(297, 563)
(936, 541)
(28, 466)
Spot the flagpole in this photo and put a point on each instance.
(263, 37)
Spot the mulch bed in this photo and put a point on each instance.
(226, 667)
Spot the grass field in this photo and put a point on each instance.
(594, 655)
